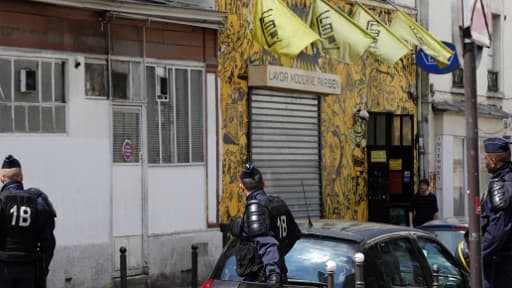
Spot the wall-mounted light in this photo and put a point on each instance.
(363, 114)
(77, 62)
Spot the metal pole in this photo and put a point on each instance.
(194, 266)
(122, 261)
(224, 228)
(471, 114)
(331, 271)
(359, 259)
(435, 276)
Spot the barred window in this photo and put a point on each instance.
(32, 96)
(175, 115)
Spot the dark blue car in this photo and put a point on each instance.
(395, 256)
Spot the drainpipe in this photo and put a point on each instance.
(109, 55)
(144, 160)
(419, 93)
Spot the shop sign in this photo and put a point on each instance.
(270, 76)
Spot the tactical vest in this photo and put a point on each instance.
(282, 224)
(507, 247)
(18, 226)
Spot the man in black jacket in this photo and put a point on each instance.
(423, 206)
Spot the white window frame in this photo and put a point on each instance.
(104, 61)
(170, 70)
(40, 103)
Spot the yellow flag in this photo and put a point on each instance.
(341, 37)
(411, 31)
(387, 46)
(278, 29)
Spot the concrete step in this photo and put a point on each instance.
(138, 281)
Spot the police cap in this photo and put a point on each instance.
(496, 145)
(10, 162)
(250, 172)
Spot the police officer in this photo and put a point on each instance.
(27, 221)
(268, 226)
(497, 215)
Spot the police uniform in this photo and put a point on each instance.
(27, 242)
(497, 221)
(268, 226)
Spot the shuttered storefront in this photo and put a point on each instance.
(285, 145)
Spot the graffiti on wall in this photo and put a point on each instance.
(368, 85)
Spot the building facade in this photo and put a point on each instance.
(110, 106)
(339, 148)
(443, 116)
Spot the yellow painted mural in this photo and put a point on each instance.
(369, 85)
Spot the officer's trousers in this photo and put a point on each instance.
(17, 275)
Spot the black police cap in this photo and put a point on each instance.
(11, 162)
(249, 172)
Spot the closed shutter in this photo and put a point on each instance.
(284, 141)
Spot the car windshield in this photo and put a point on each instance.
(307, 260)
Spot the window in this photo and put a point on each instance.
(96, 79)
(492, 81)
(494, 54)
(399, 263)
(400, 128)
(459, 168)
(126, 79)
(175, 115)
(450, 276)
(32, 96)
(458, 78)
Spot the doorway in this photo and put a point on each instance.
(390, 167)
(127, 175)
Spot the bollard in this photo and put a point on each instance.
(122, 260)
(224, 228)
(359, 277)
(331, 271)
(194, 266)
(435, 276)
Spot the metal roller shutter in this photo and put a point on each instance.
(284, 142)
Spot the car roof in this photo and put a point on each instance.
(449, 221)
(356, 231)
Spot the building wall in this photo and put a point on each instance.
(368, 85)
(451, 124)
(507, 58)
(75, 168)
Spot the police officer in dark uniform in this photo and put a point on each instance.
(267, 231)
(27, 221)
(497, 215)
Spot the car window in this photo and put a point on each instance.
(373, 272)
(450, 275)
(399, 263)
